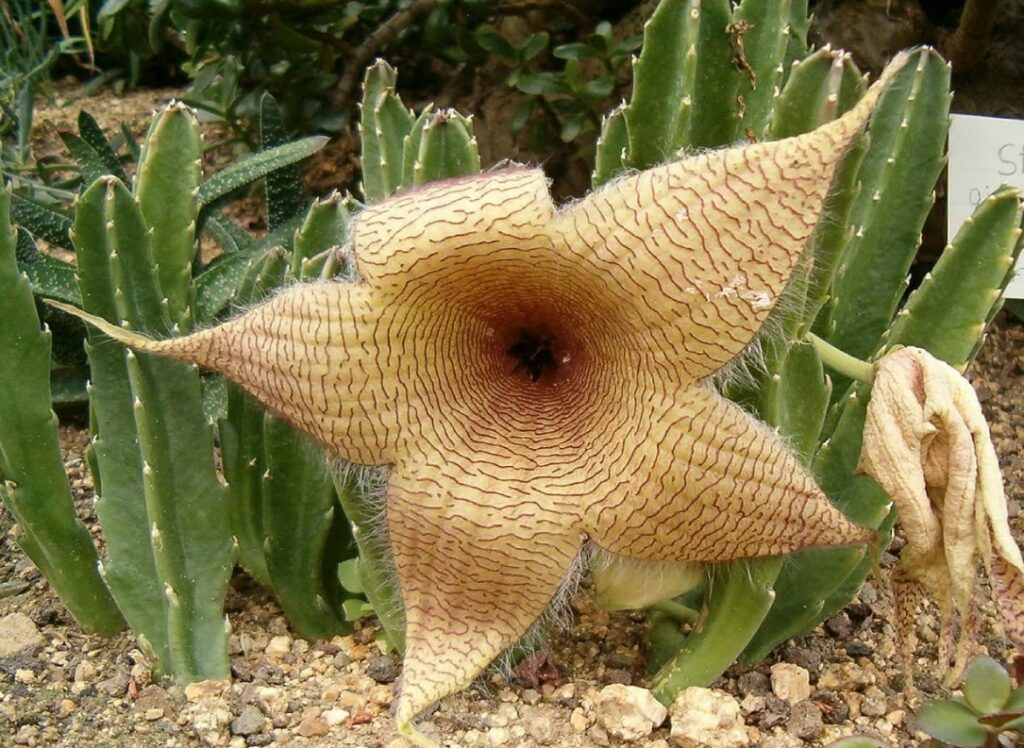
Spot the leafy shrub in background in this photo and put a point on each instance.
(309, 55)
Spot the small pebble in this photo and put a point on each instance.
(840, 625)
(627, 712)
(754, 683)
(249, 722)
(382, 669)
(278, 647)
(857, 648)
(805, 721)
(790, 682)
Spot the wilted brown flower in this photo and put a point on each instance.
(533, 376)
(927, 444)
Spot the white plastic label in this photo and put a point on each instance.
(984, 152)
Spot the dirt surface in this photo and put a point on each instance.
(78, 690)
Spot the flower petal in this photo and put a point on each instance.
(479, 559)
(707, 244)
(309, 356)
(414, 234)
(710, 483)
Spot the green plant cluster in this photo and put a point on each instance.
(174, 530)
(709, 74)
(301, 51)
(990, 709)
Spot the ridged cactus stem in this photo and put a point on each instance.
(166, 186)
(33, 483)
(168, 530)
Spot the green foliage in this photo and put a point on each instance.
(42, 208)
(569, 101)
(710, 73)
(28, 52)
(168, 521)
(402, 150)
(989, 708)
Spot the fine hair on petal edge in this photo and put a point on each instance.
(370, 482)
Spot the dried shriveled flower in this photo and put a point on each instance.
(927, 444)
(533, 376)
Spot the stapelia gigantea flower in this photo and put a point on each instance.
(533, 377)
(927, 444)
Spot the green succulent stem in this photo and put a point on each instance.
(677, 611)
(843, 362)
(739, 600)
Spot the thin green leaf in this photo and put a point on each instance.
(258, 165)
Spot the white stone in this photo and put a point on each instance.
(335, 716)
(578, 720)
(628, 712)
(707, 718)
(790, 682)
(498, 736)
(17, 633)
(279, 646)
(273, 702)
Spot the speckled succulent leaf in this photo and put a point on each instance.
(926, 442)
(286, 193)
(42, 221)
(533, 377)
(33, 484)
(49, 277)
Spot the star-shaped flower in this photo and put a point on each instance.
(533, 376)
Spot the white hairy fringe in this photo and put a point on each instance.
(371, 484)
(557, 616)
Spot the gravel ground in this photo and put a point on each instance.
(76, 690)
